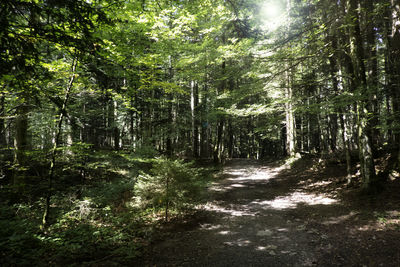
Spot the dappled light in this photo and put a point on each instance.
(339, 219)
(240, 243)
(291, 201)
(271, 213)
(230, 212)
(244, 177)
(241, 178)
(225, 233)
(200, 133)
(316, 184)
(209, 226)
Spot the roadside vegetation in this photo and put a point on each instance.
(104, 209)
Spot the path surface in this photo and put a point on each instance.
(268, 216)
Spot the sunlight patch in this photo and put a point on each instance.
(224, 232)
(291, 201)
(239, 243)
(208, 226)
(316, 184)
(238, 185)
(256, 175)
(336, 220)
(231, 212)
(264, 233)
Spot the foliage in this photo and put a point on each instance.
(93, 92)
(97, 218)
(170, 184)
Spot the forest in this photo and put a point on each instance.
(117, 115)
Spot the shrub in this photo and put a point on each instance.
(170, 184)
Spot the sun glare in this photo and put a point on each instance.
(270, 10)
(272, 15)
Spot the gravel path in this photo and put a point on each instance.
(268, 216)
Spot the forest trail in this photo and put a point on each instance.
(267, 215)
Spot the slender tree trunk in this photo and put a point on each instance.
(204, 151)
(3, 139)
(283, 139)
(151, 125)
(132, 123)
(110, 121)
(372, 70)
(52, 169)
(290, 121)
(218, 145)
(346, 144)
(21, 143)
(335, 71)
(230, 138)
(364, 106)
(169, 148)
(290, 124)
(21, 133)
(394, 70)
(195, 129)
(333, 129)
(116, 131)
(323, 136)
(170, 97)
(388, 70)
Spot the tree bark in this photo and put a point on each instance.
(346, 144)
(290, 123)
(194, 108)
(21, 143)
(372, 70)
(364, 106)
(218, 146)
(46, 214)
(393, 69)
(290, 120)
(3, 139)
(204, 140)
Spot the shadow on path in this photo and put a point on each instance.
(266, 215)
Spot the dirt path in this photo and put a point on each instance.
(268, 216)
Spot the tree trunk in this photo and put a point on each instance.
(3, 139)
(116, 131)
(337, 83)
(204, 140)
(62, 111)
(132, 123)
(230, 139)
(290, 124)
(346, 144)
(333, 129)
(169, 149)
(364, 106)
(372, 70)
(21, 144)
(195, 130)
(290, 121)
(218, 144)
(393, 46)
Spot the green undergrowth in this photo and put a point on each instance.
(105, 209)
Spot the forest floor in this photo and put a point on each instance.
(271, 215)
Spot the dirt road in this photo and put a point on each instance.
(268, 216)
